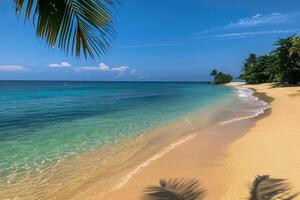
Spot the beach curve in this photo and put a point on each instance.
(202, 157)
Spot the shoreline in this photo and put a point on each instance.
(212, 176)
(190, 135)
(189, 147)
(260, 96)
(181, 161)
(186, 136)
(82, 180)
(208, 139)
(271, 147)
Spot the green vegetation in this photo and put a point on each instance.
(220, 77)
(280, 66)
(295, 47)
(80, 27)
(262, 188)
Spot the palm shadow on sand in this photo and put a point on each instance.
(262, 188)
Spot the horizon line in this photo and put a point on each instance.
(20, 80)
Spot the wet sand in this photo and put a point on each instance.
(202, 158)
(226, 158)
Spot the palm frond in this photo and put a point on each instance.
(175, 189)
(266, 188)
(295, 49)
(75, 26)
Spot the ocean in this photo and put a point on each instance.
(58, 138)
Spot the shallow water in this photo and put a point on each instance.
(60, 137)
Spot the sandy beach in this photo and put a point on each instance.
(226, 158)
(148, 100)
(271, 147)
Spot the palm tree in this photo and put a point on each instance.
(214, 72)
(175, 189)
(295, 49)
(74, 26)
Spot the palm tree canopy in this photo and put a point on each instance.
(175, 189)
(213, 72)
(83, 27)
(295, 49)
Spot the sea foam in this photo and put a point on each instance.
(247, 95)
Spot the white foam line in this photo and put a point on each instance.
(247, 117)
(125, 179)
(249, 93)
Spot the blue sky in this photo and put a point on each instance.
(168, 40)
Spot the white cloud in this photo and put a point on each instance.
(87, 68)
(117, 70)
(120, 69)
(248, 34)
(260, 19)
(12, 68)
(137, 74)
(254, 21)
(105, 68)
(62, 64)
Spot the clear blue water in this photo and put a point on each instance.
(46, 121)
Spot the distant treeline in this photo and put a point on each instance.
(282, 65)
(220, 77)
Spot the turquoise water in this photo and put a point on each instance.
(42, 123)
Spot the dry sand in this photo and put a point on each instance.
(271, 147)
(225, 160)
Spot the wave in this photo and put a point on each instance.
(247, 94)
(167, 149)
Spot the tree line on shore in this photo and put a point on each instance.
(282, 65)
(220, 77)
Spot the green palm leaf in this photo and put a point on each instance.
(175, 189)
(75, 26)
(266, 188)
(295, 49)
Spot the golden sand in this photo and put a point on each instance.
(271, 147)
(224, 161)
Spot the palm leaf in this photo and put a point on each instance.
(266, 188)
(295, 49)
(175, 189)
(75, 26)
